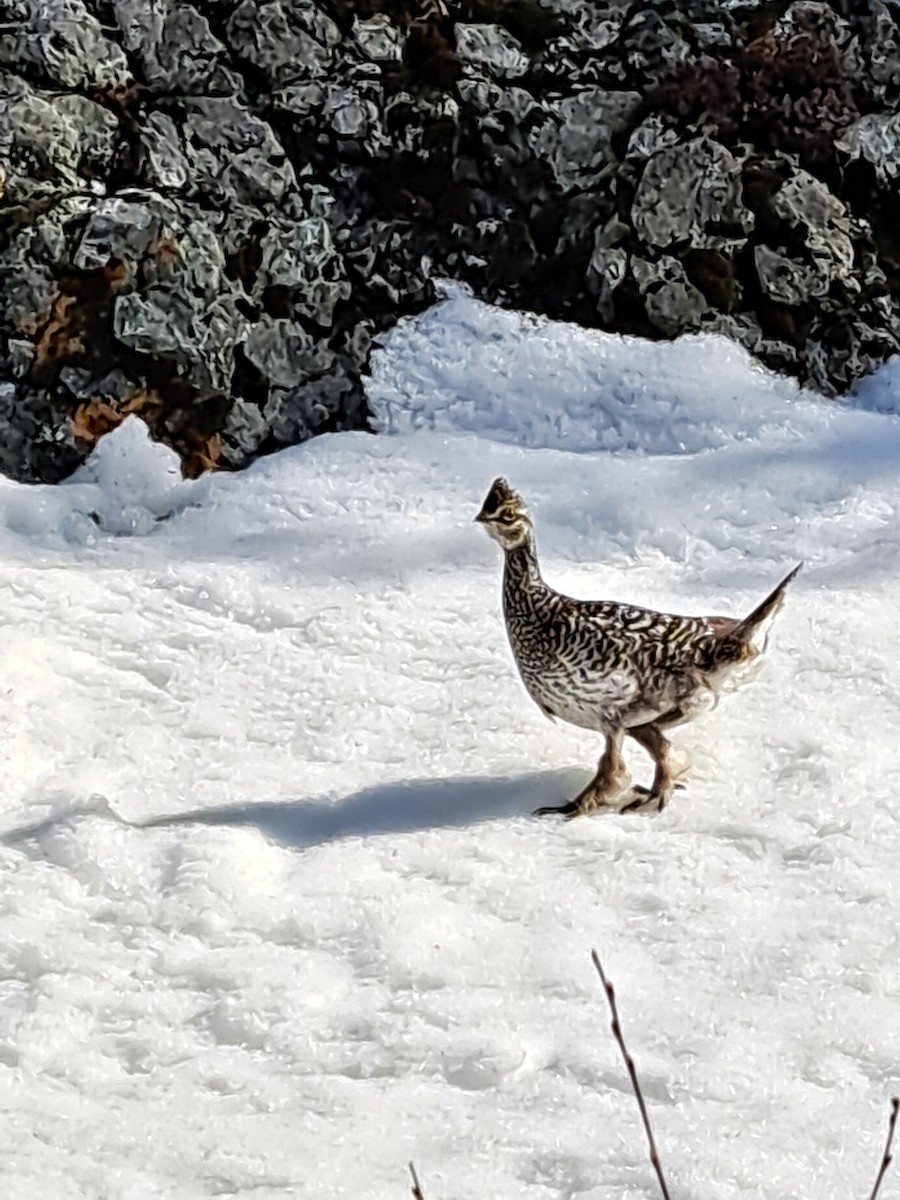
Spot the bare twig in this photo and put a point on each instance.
(416, 1187)
(632, 1074)
(888, 1157)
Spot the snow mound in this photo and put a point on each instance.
(880, 392)
(127, 486)
(687, 449)
(467, 367)
(136, 481)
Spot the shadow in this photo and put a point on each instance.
(403, 806)
(94, 806)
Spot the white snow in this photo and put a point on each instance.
(275, 918)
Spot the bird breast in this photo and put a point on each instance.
(572, 673)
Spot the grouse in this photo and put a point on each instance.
(612, 668)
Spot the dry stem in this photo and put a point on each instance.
(416, 1187)
(887, 1157)
(886, 1160)
(632, 1074)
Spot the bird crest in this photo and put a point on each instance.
(502, 503)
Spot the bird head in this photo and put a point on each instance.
(505, 516)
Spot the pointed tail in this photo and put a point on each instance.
(744, 629)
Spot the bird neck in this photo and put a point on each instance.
(521, 568)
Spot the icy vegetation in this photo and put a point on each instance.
(275, 916)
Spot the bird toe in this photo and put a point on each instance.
(557, 810)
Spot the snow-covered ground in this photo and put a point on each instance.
(275, 918)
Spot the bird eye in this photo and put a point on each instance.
(506, 519)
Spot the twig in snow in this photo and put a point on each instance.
(416, 1187)
(888, 1157)
(632, 1075)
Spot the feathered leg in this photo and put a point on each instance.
(611, 780)
(657, 745)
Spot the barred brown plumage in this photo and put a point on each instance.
(616, 669)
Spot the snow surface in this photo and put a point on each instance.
(275, 917)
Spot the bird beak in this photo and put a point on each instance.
(480, 518)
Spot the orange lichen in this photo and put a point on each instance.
(166, 251)
(58, 338)
(91, 420)
(199, 452)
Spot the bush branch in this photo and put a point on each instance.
(632, 1074)
(887, 1158)
(416, 1186)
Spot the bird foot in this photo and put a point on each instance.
(644, 799)
(588, 801)
(568, 810)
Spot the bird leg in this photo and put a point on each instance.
(611, 780)
(665, 778)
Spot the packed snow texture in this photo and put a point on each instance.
(275, 916)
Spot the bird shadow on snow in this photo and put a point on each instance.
(403, 806)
